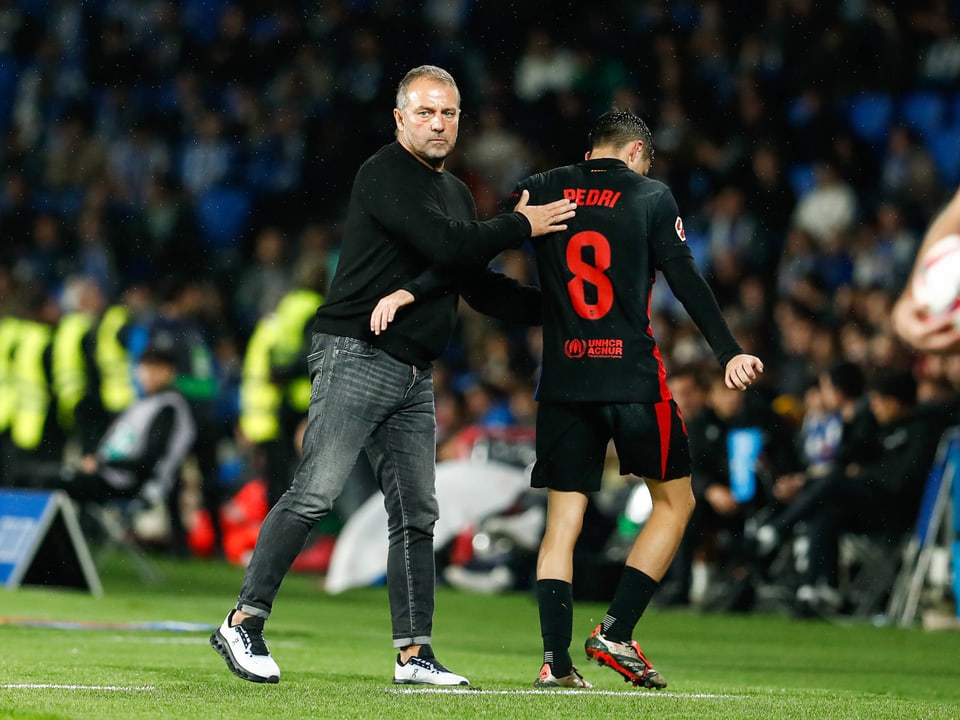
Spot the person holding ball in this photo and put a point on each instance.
(912, 320)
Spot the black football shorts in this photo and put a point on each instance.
(572, 439)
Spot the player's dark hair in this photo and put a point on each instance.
(618, 127)
(900, 385)
(847, 377)
(158, 355)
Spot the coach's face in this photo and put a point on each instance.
(428, 124)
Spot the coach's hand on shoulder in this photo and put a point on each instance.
(742, 371)
(386, 309)
(545, 218)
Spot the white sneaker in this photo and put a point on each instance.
(768, 539)
(424, 671)
(525, 529)
(244, 649)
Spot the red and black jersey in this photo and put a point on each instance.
(596, 278)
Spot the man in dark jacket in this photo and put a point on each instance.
(875, 493)
(143, 449)
(738, 444)
(373, 392)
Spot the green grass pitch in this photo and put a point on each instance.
(335, 655)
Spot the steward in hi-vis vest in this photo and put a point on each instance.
(117, 390)
(32, 383)
(275, 386)
(9, 335)
(70, 381)
(260, 397)
(34, 431)
(76, 380)
(288, 356)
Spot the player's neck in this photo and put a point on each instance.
(608, 154)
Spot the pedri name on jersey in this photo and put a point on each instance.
(593, 196)
(593, 348)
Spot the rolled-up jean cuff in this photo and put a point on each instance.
(417, 640)
(253, 610)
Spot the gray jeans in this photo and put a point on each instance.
(363, 399)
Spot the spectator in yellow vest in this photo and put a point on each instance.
(275, 387)
(76, 380)
(34, 431)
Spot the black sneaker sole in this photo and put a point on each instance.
(428, 684)
(218, 644)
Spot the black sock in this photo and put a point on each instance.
(629, 601)
(425, 652)
(555, 598)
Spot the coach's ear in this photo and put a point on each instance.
(586, 155)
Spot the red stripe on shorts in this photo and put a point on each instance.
(664, 423)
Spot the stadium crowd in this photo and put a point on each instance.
(180, 170)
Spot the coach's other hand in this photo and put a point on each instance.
(386, 309)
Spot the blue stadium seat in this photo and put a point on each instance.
(870, 115)
(202, 18)
(9, 75)
(33, 7)
(798, 112)
(944, 146)
(803, 178)
(222, 214)
(923, 111)
(699, 245)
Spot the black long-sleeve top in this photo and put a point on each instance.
(404, 219)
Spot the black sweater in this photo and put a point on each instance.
(404, 219)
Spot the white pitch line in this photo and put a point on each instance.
(160, 640)
(561, 691)
(50, 686)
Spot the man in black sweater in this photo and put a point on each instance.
(411, 226)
